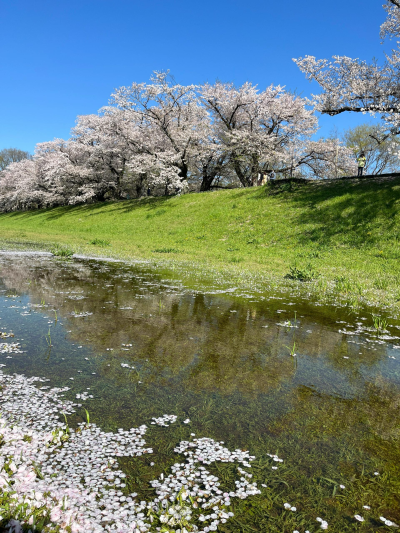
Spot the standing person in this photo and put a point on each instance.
(361, 160)
(265, 178)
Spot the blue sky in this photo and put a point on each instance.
(63, 59)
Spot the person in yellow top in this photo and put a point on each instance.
(361, 160)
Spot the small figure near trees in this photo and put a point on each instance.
(361, 159)
(381, 150)
(264, 178)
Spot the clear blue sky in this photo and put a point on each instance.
(63, 59)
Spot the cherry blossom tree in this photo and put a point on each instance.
(326, 158)
(172, 121)
(108, 140)
(33, 183)
(211, 165)
(61, 167)
(210, 161)
(358, 86)
(18, 188)
(57, 175)
(261, 131)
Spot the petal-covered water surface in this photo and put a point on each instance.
(311, 390)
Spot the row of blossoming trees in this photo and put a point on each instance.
(170, 137)
(167, 137)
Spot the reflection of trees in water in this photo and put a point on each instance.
(196, 343)
(205, 341)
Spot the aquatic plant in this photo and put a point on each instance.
(380, 323)
(346, 286)
(302, 273)
(48, 338)
(87, 415)
(292, 349)
(60, 251)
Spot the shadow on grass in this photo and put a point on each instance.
(350, 211)
(354, 213)
(125, 206)
(326, 212)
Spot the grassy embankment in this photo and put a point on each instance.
(343, 234)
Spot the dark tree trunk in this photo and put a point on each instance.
(139, 185)
(100, 196)
(206, 183)
(183, 171)
(208, 178)
(254, 170)
(244, 180)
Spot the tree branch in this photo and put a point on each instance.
(333, 112)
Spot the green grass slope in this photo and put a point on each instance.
(345, 233)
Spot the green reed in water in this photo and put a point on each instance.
(292, 350)
(380, 323)
(48, 338)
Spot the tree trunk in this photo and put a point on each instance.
(244, 180)
(139, 184)
(207, 180)
(183, 171)
(254, 170)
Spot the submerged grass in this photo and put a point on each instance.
(339, 446)
(344, 234)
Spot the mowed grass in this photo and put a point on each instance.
(346, 233)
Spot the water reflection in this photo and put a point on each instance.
(206, 342)
(221, 360)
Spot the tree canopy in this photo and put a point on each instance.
(12, 155)
(358, 86)
(170, 138)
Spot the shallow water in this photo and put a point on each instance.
(222, 360)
